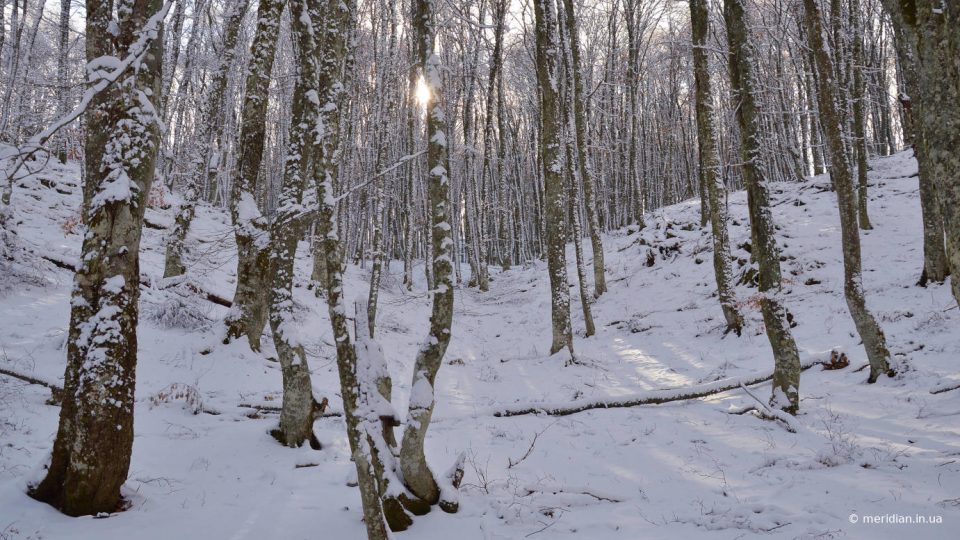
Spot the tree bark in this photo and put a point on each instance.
(938, 27)
(743, 82)
(583, 154)
(552, 168)
(336, 33)
(859, 97)
(710, 167)
(296, 417)
(935, 266)
(417, 475)
(251, 229)
(841, 174)
(91, 454)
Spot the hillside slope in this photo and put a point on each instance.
(687, 469)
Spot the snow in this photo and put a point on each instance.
(685, 469)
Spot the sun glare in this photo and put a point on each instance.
(423, 92)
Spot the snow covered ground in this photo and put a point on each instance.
(680, 470)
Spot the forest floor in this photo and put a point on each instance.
(688, 469)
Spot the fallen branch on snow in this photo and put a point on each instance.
(206, 295)
(651, 397)
(320, 409)
(945, 387)
(56, 392)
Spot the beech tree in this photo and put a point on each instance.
(91, 454)
(710, 167)
(743, 82)
(251, 229)
(552, 164)
(841, 174)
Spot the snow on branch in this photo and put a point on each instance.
(650, 397)
(103, 73)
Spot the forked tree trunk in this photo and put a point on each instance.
(841, 173)
(417, 475)
(743, 82)
(710, 167)
(91, 454)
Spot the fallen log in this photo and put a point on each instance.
(650, 397)
(206, 295)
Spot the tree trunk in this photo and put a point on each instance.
(938, 25)
(859, 96)
(91, 454)
(63, 93)
(251, 229)
(552, 168)
(935, 267)
(710, 167)
(583, 154)
(296, 417)
(417, 475)
(841, 173)
(743, 82)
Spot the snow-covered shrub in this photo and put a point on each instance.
(842, 446)
(192, 401)
(175, 304)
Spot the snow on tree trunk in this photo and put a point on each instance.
(91, 454)
(786, 375)
(841, 173)
(251, 229)
(710, 167)
(417, 475)
(296, 417)
(551, 165)
(583, 154)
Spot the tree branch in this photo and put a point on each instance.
(651, 397)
